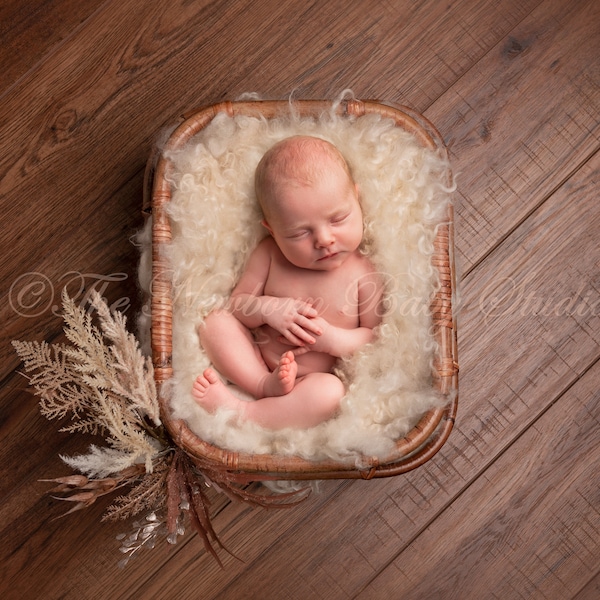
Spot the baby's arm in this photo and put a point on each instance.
(337, 341)
(292, 318)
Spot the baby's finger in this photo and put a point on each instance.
(307, 309)
(300, 350)
(297, 350)
(291, 339)
(298, 335)
(309, 325)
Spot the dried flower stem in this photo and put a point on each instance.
(106, 386)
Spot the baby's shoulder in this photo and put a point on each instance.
(366, 274)
(260, 259)
(363, 264)
(266, 247)
(266, 242)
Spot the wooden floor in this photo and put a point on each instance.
(510, 507)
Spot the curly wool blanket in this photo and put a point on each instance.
(216, 224)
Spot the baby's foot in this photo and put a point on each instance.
(282, 380)
(211, 393)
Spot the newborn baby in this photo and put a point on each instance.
(306, 297)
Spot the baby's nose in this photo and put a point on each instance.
(324, 237)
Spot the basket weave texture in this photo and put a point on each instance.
(427, 436)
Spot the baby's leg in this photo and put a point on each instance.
(232, 350)
(315, 398)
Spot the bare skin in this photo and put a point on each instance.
(306, 298)
(268, 411)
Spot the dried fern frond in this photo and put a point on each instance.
(110, 358)
(103, 382)
(88, 353)
(84, 425)
(56, 382)
(125, 433)
(135, 373)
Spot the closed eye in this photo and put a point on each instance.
(340, 218)
(297, 234)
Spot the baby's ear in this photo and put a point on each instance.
(266, 225)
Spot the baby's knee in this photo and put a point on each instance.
(331, 392)
(217, 315)
(214, 321)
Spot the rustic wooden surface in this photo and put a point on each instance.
(510, 507)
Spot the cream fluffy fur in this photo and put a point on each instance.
(216, 224)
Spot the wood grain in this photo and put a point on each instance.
(381, 520)
(542, 58)
(30, 30)
(591, 590)
(515, 93)
(546, 536)
(106, 71)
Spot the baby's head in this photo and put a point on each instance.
(298, 161)
(310, 202)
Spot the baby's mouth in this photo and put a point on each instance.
(330, 255)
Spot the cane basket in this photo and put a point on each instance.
(432, 430)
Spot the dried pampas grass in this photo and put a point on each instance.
(105, 385)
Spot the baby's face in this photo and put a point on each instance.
(317, 227)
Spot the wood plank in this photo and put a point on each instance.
(32, 524)
(86, 76)
(538, 357)
(591, 590)
(99, 86)
(430, 52)
(78, 556)
(30, 30)
(528, 528)
(523, 147)
(93, 253)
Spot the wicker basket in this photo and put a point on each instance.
(428, 435)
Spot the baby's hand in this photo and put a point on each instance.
(333, 340)
(293, 319)
(322, 342)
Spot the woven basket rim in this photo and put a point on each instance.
(426, 438)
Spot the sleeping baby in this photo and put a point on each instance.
(307, 296)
